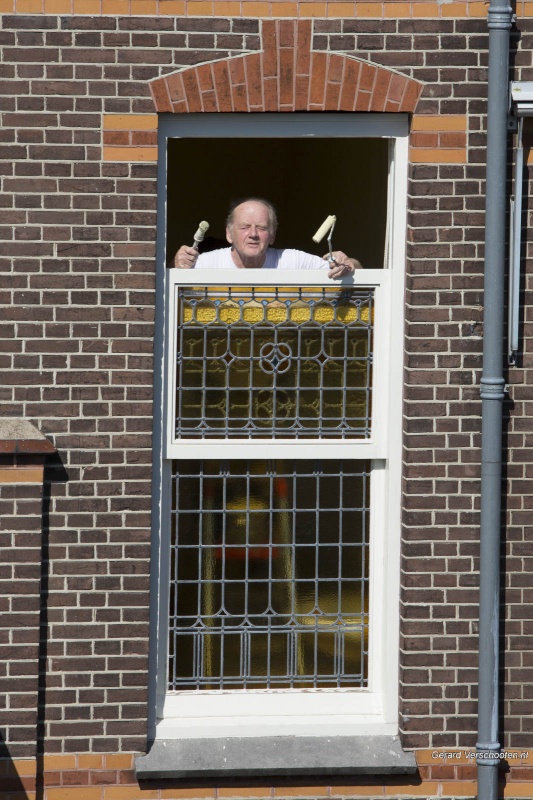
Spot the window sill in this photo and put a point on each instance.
(275, 756)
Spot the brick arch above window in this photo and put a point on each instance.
(287, 75)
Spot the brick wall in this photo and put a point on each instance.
(23, 535)
(79, 264)
(20, 573)
(442, 414)
(78, 228)
(91, 776)
(442, 438)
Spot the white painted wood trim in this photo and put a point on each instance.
(372, 448)
(363, 278)
(272, 713)
(268, 448)
(390, 624)
(322, 711)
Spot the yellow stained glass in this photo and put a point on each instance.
(274, 362)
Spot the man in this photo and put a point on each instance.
(250, 230)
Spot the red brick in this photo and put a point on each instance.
(380, 90)
(350, 84)
(452, 139)
(237, 76)
(318, 80)
(209, 102)
(254, 83)
(396, 92)
(205, 78)
(410, 97)
(270, 48)
(191, 90)
(222, 84)
(286, 78)
(176, 88)
(303, 47)
(271, 94)
(160, 94)
(140, 138)
(301, 99)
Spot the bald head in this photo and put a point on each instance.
(272, 216)
(250, 232)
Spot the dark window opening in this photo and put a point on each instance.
(306, 179)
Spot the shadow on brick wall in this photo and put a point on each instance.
(54, 473)
(10, 780)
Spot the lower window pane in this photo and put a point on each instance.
(269, 574)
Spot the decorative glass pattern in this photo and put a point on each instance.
(274, 362)
(269, 575)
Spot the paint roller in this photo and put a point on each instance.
(326, 226)
(203, 227)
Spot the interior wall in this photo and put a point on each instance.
(306, 179)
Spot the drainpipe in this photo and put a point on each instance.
(492, 395)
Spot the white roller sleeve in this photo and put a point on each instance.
(203, 227)
(324, 228)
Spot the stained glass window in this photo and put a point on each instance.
(274, 363)
(269, 574)
(270, 557)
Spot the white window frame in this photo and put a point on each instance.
(324, 712)
(374, 447)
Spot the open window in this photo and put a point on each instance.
(276, 546)
(306, 178)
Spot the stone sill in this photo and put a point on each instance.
(20, 437)
(274, 757)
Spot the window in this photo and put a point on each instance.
(269, 576)
(277, 560)
(279, 362)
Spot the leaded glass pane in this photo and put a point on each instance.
(274, 362)
(269, 574)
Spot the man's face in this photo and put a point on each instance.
(250, 233)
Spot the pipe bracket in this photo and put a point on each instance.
(487, 754)
(492, 389)
(500, 17)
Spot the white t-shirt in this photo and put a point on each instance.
(275, 259)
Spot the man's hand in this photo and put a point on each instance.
(185, 258)
(344, 265)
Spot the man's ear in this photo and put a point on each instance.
(229, 235)
(272, 238)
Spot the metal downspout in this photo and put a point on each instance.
(492, 395)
